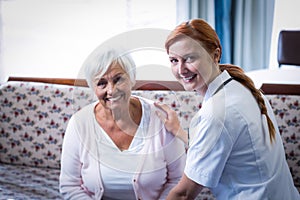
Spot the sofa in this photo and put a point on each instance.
(34, 116)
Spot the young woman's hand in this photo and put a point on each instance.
(170, 119)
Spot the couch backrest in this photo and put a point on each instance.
(33, 119)
(287, 112)
(34, 116)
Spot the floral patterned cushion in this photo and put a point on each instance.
(34, 116)
(287, 113)
(33, 119)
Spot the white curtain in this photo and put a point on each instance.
(252, 33)
(201, 9)
(248, 31)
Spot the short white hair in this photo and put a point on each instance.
(98, 62)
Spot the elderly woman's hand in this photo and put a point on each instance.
(170, 119)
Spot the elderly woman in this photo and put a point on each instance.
(116, 147)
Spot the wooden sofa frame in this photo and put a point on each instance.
(266, 88)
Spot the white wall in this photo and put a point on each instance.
(51, 38)
(286, 16)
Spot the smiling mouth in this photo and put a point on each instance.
(188, 78)
(113, 98)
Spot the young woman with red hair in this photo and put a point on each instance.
(235, 148)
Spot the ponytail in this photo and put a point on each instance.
(238, 74)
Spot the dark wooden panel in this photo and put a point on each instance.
(266, 88)
(158, 85)
(140, 84)
(61, 81)
(273, 88)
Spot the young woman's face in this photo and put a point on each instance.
(113, 89)
(191, 64)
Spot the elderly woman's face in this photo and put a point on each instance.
(113, 89)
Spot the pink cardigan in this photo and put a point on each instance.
(160, 167)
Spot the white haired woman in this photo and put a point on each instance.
(116, 147)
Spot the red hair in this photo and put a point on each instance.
(198, 30)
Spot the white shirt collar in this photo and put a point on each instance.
(215, 84)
